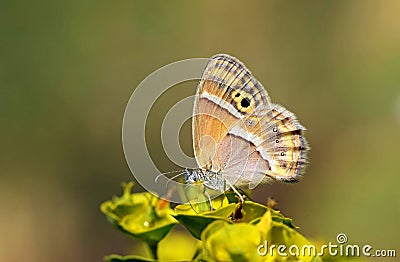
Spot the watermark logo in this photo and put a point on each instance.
(340, 248)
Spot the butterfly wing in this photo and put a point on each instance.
(227, 93)
(275, 135)
(235, 126)
(284, 144)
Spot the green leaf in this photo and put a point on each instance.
(252, 213)
(196, 223)
(265, 223)
(141, 226)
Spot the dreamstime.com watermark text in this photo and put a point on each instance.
(340, 248)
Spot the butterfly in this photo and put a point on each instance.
(240, 138)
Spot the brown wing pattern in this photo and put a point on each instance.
(227, 92)
(239, 133)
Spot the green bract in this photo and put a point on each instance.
(195, 223)
(141, 215)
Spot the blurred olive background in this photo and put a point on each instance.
(67, 70)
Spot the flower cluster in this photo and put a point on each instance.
(231, 232)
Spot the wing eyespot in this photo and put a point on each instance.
(245, 102)
(236, 95)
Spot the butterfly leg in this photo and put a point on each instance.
(235, 191)
(209, 199)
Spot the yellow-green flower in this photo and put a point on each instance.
(141, 215)
(231, 242)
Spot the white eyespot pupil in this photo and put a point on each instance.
(274, 129)
(282, 154)
(277, 141)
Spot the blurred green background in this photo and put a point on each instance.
(67, 70)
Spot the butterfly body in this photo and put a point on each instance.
(240, 137)
(211, 180)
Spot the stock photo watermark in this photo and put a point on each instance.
(339, 248)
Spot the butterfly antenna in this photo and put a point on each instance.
(166, 173)
(172, 178)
